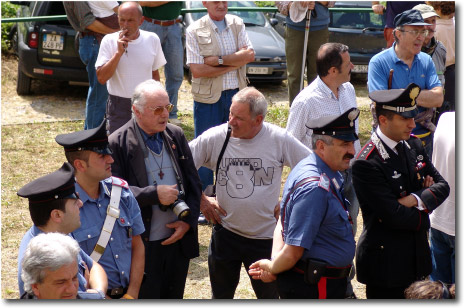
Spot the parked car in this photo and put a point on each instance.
(45, 49)
(362, 32)
(270, 62)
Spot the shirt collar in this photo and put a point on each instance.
(145, 136)
(325, 88)
(389, 142)
(395, 56)
(84, 197)
(213, 25)
(326, 169)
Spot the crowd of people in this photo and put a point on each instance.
(119, 219)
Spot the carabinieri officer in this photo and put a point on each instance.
(314, 244)
(111, 222)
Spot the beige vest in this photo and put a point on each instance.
(205, 89)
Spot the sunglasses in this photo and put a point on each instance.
(159, 110)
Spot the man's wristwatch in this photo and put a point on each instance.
(220, 61)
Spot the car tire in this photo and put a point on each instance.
(23, 83)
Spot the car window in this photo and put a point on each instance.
(356, 20)
(254, 18)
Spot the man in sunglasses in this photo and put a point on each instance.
(111, 221)
(153, 156)
(54, 207)
(404, 63)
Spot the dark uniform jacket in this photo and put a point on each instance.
(129, 164)
(393, 250)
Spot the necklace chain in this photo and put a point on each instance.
(160, 173)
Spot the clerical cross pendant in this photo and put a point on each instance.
(161, 174)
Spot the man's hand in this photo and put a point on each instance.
(211, 209)
(408, 201)
(180, 228)
(308, 4)
(258, 273)
(428, 181)
(123, 42)
(167, 194)
(211, 60)
(378, 8)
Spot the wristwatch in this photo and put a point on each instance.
(220, 61)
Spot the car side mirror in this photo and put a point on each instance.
(273, 21)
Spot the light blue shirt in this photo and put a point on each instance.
(315, 218)
(116, 260)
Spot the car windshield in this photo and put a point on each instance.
(249, 18)
(356, 20)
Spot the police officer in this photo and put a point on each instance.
(54, 207)
(314, 258)
(111, 220)
(397, 187)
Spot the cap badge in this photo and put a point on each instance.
(413, 94)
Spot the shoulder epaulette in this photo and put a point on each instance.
(366, 150)
(324, 182)
(119, 182)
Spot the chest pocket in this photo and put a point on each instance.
(205, 43)
(87, 238)
(124, 225)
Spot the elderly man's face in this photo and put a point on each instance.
(243, 124)
(129, 19)
(338, 155)
(60, 284)
(409, 41)
(433, 24)
(155, 115)
(217, 10)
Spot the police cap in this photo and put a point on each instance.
(337, 126)
(53, 186)
(94, 139)
(400, 101)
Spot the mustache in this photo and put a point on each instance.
(348, 156)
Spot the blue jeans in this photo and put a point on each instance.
(97, 96)
(206, 116)
(443, 249)
(171, 43)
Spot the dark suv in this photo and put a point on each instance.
(46, 49)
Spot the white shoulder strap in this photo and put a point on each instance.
(112, 213)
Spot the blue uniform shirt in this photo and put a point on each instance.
(82, 257)
(422, 73)
(116, 260)
(314, 217)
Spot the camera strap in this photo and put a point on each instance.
(229, 130)
(112, 213)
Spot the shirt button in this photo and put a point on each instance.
(128, 223)
(99, 205)
(122, 272)
(89, 236)
(112, 239)
(116, 256)
(381, 247)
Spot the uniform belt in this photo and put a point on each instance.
(163, 23)
(330, 271)
(116, 292)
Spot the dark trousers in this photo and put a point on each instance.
(166, 271)
(227, 251)
(382, 292)
(291, 285)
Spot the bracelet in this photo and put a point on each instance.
(127, 296)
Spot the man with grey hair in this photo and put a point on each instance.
(248, 178)
(154, 158)
(50, 268)
(125, 59)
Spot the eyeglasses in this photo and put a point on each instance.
(159, 110)
(417, 32)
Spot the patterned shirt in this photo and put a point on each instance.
(315, 101)
(226, 43)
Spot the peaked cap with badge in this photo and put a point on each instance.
(95, 139)
(400, 101)
(337, 126)
(53, 186)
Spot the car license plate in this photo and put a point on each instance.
(360, 69)
(53, 41)
(258, 70)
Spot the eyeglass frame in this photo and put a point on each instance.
(424, 32)
(168, 107)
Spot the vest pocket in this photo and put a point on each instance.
(202, 85)
(205, 43)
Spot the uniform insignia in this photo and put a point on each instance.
(337, 186)
(396, 175)
(324, 182)
(379, 145)
(413, 94)
(420, 158)
(365, 151)
(419, 166)
(119, 182)
(122, 220)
